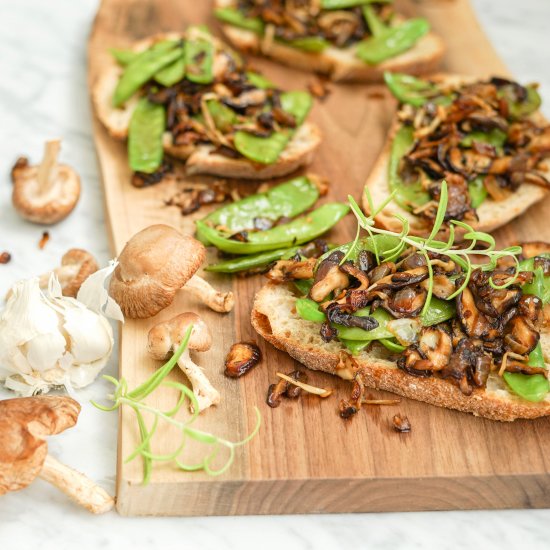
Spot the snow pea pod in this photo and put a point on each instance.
(312, 44)
(409, 89)
(407, 195)
(252, 261)
(309, 310)
(173, 73)
(199, 60)
(494, 137)
(123, 57)
(223, 116)
(520, 108)
(343, 4)
(478, 192)
(302, 229)
(532, 387)
(285, 200)
(259, 81)
(376, 26)
(142, 69)
(236, 18)
(266, 150)
(394, 41)
(145, 132)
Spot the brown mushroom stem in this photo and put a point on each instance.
(206, 394)
(77, 486)
(214, 299)
(47, 170)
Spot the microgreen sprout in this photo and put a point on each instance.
(461, 254)
(134, 399)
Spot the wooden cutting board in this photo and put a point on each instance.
(306, 458)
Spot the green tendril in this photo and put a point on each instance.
(134, 399)
(476, 243)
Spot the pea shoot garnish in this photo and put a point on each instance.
(474, 243)
(135, 399)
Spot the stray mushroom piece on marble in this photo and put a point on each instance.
(165, 338)
(76, 266)
(156, 263)
(24, 424)
(46, 193)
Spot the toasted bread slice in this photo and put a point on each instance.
(274, 317)
(339, 64)
(491, 214)
(200, 159)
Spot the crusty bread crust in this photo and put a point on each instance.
(491, 214)
(274, 317)
(340, 64)
(199, 159)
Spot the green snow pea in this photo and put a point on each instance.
(343, 4)
(303, 285)
(394, 41)
(266, 150)
(199, 60)
(236, 18)
(312, 44)
(309, 310)
(409, 89)
(532, 387)
(407, 195)
(477, 192)
(494, 137)
(259, 81)
(173, 73)
(521, 108)
(285, 200)
(376, 26)
(143, 68)
(123, 57)
(356, 346)
(298, 231)
(145, 132)
(244, 263)
(223, 116)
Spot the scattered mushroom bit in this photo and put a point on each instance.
(24, 424)
(156, 263)
(401, 424)
(165, 337)
(241, 358)
(193, 196)
(283, 388)
(46, 193)
(5, 257)
(76, 266)
(44, 240)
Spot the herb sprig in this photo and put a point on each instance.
(462, 255)
(135, 400)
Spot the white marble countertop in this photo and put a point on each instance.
(43, 94)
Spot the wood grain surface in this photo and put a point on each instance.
(305, 458)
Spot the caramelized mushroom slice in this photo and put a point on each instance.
(406, 302)
(436, 344)
(521, 337)
(287, 270)
(401, 424)
(473, 321)
(241, 358)
(329, 277)
(442, 288)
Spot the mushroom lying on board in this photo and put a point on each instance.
(165, 338)
(24, 423)
(46, 193)
(156, 263)
(76, 266)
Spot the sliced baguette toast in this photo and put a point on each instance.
(339, 64)
(274, 317)
(491, 214)
(199, 159)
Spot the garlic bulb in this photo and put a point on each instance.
(49, 340)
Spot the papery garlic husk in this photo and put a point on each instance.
(49, 340)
